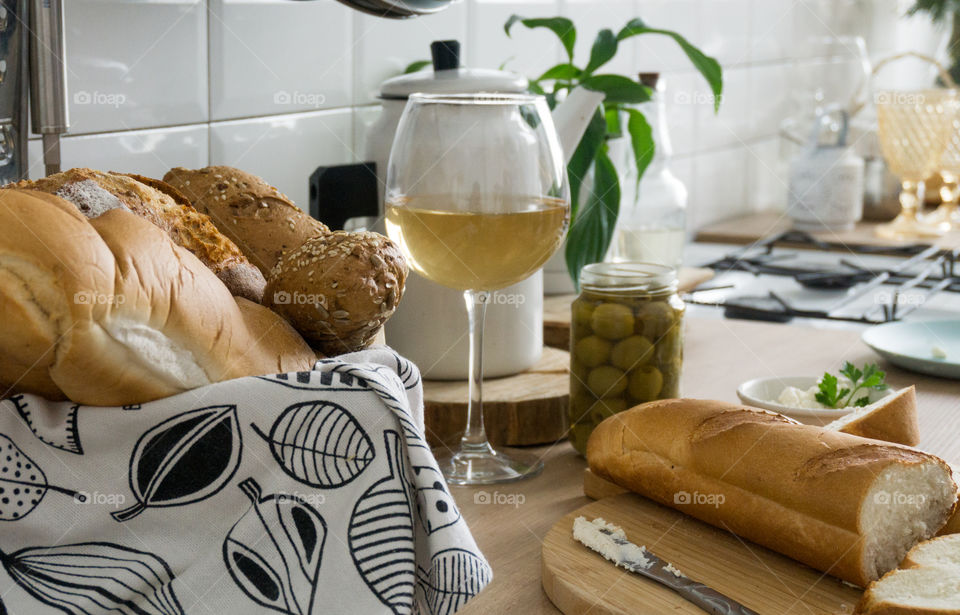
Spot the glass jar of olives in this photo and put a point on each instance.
(626, 342)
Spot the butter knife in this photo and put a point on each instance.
(611, 542)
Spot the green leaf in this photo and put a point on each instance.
(415, 66)
(583, 157)
(603, 50)
(863, 401)
(641, 140)
(592, 230)
(561, 26)
(612, 115)
(708, 67)
(827, 395)
(618, 89)
(851, 372)
(563, 72)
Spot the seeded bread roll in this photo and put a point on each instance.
(261, 220)
(96, 192)
(338, 289)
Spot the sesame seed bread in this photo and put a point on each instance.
(834, 501)
(339, 288)
(927, 583)
(96, 192)
(110, 311)
(260, 219)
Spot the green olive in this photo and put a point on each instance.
(578, 377)
(579, 434)
(646, 383)
(612, 321)
(632, 352)
(670, 346)
(582, 311)
(592, 351)
(606, 381)
(671, 379)
(605, 408)
(656, 319)
(580, 404)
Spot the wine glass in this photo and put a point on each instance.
(477, 198)
(947, 216)
(913, 127)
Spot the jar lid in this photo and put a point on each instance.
(629, 277)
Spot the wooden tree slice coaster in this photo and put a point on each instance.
(525, 409)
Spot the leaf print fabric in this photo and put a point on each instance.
(301, 493)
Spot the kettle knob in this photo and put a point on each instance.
(446, 55)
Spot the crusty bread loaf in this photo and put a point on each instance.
(839, 503)
(927, 583)
(338, 289)
(95, 192)
(116, 313)
(891, 419)
(260, 219)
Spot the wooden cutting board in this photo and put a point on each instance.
(556, 308)
(529, 408)
(579, 581)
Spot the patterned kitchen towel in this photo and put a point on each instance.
(302, 493)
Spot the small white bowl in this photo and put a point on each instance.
(763, 393)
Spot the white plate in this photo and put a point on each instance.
(760, 393)
(910, 345)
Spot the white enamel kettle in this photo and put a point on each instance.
(430, 325)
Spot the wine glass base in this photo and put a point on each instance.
(487, 467)
(943, 218)
(905, 227)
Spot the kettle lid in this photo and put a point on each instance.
(448, 77)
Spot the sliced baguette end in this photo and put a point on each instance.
(892, 419)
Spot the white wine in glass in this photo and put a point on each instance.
(913, 127)
(477, 199)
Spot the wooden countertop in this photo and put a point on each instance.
(756, 226)
(718, 355)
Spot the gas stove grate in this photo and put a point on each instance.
(924, 271)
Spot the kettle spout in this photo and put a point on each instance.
(572, 116)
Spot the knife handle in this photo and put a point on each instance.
(710, 600)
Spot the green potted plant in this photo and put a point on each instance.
(593, 220)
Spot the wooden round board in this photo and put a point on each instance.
(579, 581)
(556, 309)
(529, 408)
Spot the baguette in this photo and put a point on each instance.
(95, 192)
(891, 419)
(115, 313)
(927, 583)
(842, 504)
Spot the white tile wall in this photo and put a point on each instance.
(285, 149)
(254, 71)
(135, 63)
(281, 87)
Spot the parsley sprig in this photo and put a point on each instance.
(870, 377)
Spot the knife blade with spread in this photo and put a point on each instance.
(611, 542)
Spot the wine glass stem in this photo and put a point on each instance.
(911, 195)
(950, 190)
(475, 437)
